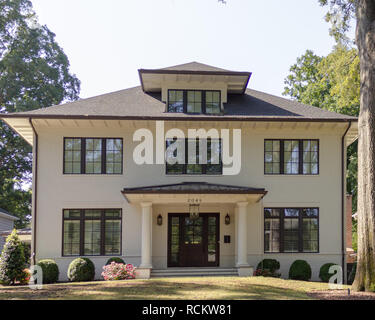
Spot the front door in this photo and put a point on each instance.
(193, 243)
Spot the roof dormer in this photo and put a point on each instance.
(193, 75)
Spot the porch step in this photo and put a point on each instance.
(194, 272)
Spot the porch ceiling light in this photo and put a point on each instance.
(194, 205)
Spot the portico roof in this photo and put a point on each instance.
(158, 193)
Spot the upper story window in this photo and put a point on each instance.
(194, 101)
(193, 164)
(292, 157)
(93, 155)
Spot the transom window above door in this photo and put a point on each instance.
(194, 101)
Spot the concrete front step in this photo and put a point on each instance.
(194, 272)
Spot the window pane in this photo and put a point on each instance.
(291, 156)
(310, 235)
(175, 101)
(112, 237)
(93, 156)
(71, 214)
(72, 157)
(93, 213)
(214, 157)
(291, 235)
(212, 102)
(171, 154)
(194, 102)
(272, 235)
(92, 237)
(310, 157)
(113, 156)
(113, 213)
(272, 157)
(71, 242)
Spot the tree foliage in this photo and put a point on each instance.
(340, 15)
(34, 73)
(12, 260)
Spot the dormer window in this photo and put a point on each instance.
(194, 101)
(176, 101)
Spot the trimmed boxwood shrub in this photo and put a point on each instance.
(50, 270)
(81, 269)
(300, 270)
(270, 264)
(324, 274)
(115, 259)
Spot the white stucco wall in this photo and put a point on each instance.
(57, 191)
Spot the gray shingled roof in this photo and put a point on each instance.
(6, 214)
(133, 103)
(195, 187)
(195, 66)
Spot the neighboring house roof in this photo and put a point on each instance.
(195, 187)
(26, 231)
(135, 104)
(5, 214)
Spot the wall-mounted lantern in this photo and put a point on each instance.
(159, 220)
(227, 219)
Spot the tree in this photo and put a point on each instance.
(364, 11)
(34, 73)
(12, 260)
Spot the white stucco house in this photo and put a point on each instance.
(91, 198)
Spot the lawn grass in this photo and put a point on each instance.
(227, 288)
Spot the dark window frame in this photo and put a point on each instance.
(103, 156)
(204, 166)
(281, 229)
(82, 220)
(300, 157)
(203, 92)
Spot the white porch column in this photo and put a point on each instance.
(144, 270)
(242, 235)
(242, 264)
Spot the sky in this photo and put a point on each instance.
(108, 41)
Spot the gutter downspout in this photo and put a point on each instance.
(343, 194)
(35, 181)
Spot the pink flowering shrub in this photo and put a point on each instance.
(266, 273)
(118, 271)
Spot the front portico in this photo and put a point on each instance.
(180, 239)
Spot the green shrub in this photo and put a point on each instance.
(300, 270)
(27, 253)
(50, 270)
(270, 264)
(324, 274)
(115, 259)
(12, 260)
(81, 269)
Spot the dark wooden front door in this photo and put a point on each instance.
(193, 243)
